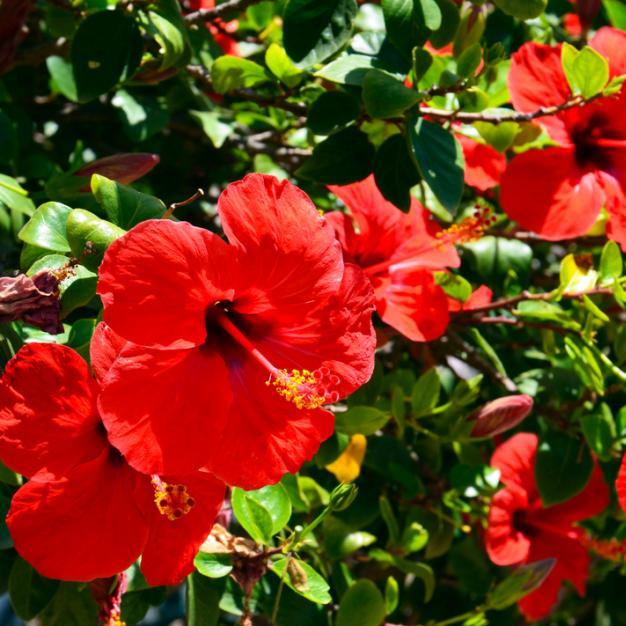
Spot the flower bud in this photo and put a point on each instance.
(123, 168)
(500, 415)
(342, 496)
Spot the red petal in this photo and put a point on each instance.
(105, 347)
(81, 527)
(157, 281)
(338, 335)
(572, 564)
(536, 78)
(484, 165)
(172, 545)
(593, 499)
(515, 459)
(479, 298)
(611, 44)
(413, 304)
(546, 192)
(48, 418)
(620, 484)
(505, 544)
(290, 256)
(164, 408)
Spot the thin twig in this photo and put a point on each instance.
(231, 6)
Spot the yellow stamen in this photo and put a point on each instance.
(469, 229)
(299, 387)
(173, 501)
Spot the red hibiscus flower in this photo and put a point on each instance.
(558, 192)
(484, 165)
(235, 347)
(522, 530)
(84, 512)
(399, 253)
(219, 29)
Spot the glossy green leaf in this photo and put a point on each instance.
(213, 565)
(362, 605)
(331, 111)
(302, 578)
(425, 393)
(600, 432)
(365, 420)
(392, 595)
(385, 96)
(522, 581)
(123, 205)
(13, 195)
(214, 125)
(29, 592)
(562, 468)
(314, 30)
(72, 605)
(587, 71)
(47, 227)
(611, 263)
(439, 159)
(99, 64)
(522, 9)
(203, 600)
(231, 72)
(282, 66)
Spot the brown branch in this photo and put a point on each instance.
(230, 6)
(175, 205)
(280, 102)
(513, 116)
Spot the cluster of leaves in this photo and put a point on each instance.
(328, 92)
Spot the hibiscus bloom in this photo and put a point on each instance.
(558, 192)
(84, 512)
(399, 252)
(233, 348)
(484, 165)
(522, 530)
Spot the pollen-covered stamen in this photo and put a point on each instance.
(173, 501)
(306, 389)
(469, 229)
(608, 549)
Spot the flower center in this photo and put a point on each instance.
(594, 142)
(304, 388)
(173, 501)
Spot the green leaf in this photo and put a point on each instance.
(439, 159)
(450, 20)
(282, 66)
(562, 468)
(314, 30)
(587, 71)
(142, 116)
(522, 581)
(522, 9)
(343, 158)
(362, 605)
(89, 237)
(331, 111)
(213, 565)
(400, 23)
(454, 285)
(213, 126)
(616, 10)
(106, 49)
(431, 14)
(62, 77)
(263, 512)
(168, 35)
(302, 578)
(425, 394)
(390, 520)
(203, 600)
(395, 172)
(15, 196)
(600, 432)
(231, 72)
(365, 420)
(29, 592)
(351, 69)
(72, 605)
(611, 263)
(386, 96)
(46, 228)
(392, 595)
(414, 538)
(123, 205)
(469, 61)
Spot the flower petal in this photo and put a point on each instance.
(289, 255)
(515, 459)
(104, 348)
(157, 281)
(48, 417)
(173, 544)
(484, 165)
(563, 201)
(412, 303)
(611, 44)
(162, 408)
(83, 526)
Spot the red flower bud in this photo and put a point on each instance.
(33, 300)
(500, 415)
(124, 168)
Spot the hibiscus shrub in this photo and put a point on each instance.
(311, 312)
